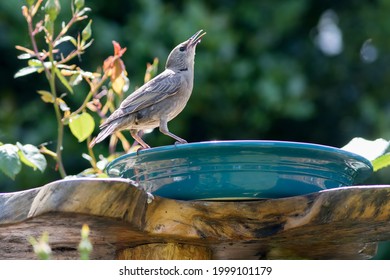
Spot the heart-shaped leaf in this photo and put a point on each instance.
(30, 155)
(9, 160)
(82, 126)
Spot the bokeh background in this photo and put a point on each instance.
(302, 70)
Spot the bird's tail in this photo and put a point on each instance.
(107, 131)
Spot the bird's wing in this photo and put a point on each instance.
(160, 87)
(164, 85)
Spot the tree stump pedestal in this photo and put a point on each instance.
(342, 223)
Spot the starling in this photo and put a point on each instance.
(159, 100)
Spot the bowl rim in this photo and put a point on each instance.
(243, 143)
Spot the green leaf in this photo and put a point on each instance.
(83, 11)
(46, 96)
(79, 4)
(82, 126)
(381, 162)
(31, 156)
(65, 66)
(26, 71)
(87, 32)
(75, 79)
(35, 63)
(65, 39)
(25, 56)
(63, 106)
(52, 8)
(88, 74)
(63, 80)
(87, 45)
(9, 160)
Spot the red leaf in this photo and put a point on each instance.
(118, 51)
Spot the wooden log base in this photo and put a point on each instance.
(166, 251)
(343, 223)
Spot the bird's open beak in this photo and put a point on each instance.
(196, 38)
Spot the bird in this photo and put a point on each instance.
(158, 101)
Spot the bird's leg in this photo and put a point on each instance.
(134, 134)
(164, 129)
(140, 134)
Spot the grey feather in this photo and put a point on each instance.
(160, 87)
(158, 101)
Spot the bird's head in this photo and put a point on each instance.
(182, 56)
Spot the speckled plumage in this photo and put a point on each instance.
(159, 100)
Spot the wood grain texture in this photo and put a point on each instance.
(344, 223)
(166, 251)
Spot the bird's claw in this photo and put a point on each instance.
(142, 148)
(150, 198)
(181, 142)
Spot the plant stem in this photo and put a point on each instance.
(60, 137)
(91, 94)
(50, 75)
(60, 125)
(34, 43)
(92, 155)
(93, 90)
(44, 150)
(70, 23)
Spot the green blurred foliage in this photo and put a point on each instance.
(260, 72)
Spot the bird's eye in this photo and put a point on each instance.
(182, 49)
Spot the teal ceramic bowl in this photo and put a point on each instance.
(220, 170)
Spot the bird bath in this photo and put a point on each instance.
(240, 169)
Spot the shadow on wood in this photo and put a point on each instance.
(344, 223)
